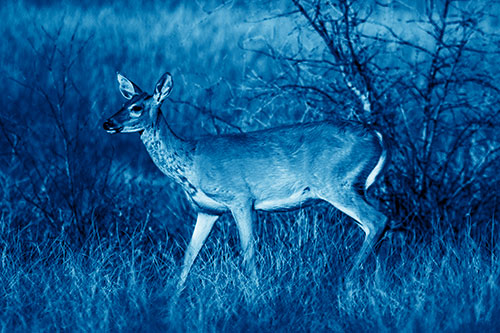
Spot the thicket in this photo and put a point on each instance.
(428, 80)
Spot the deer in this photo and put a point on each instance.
(276, 169)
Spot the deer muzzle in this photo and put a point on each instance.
(110, 127)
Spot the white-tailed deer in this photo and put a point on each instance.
(274, 169)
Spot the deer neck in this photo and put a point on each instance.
(171, 154)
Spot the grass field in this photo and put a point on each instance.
(92, 235)
(126, 282)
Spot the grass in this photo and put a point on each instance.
(92, 239)
(127, 284)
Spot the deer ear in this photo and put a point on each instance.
(163, 88)
(127, 87)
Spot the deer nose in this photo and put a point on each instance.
(108, 126)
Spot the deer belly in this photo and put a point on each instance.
(284, 202)
(206, 203)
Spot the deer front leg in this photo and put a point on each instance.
(243, 215)
(204, 223)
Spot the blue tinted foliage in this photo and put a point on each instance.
(92, 234)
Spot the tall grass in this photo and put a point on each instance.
(126, 283)
(92, 235)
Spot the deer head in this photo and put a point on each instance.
(141, 109)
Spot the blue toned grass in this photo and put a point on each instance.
(127, 283)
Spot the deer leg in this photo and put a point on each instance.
(243, 215)
(374, 226)
(368, 218)
(204, 224)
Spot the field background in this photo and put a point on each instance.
(92, 234)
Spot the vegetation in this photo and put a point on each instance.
(92, 235)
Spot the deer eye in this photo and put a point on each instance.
(136, 108)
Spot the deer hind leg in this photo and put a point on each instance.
(373, 224)
(204, 224)
(368, 218)
(244, 217)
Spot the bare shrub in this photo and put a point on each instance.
(427, 79)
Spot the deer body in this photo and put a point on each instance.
(273, 169)
(266, 167)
